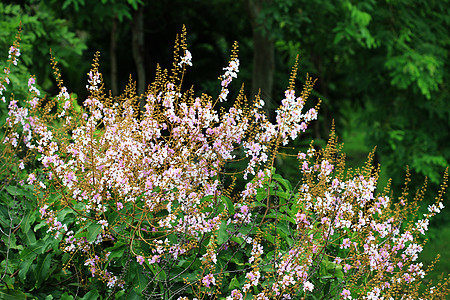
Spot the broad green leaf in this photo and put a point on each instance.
(140, 281)
(11, 294)
(162, 275)
(24, 267)
(112, 217)
(220, 208)
(286, 184)
(237, 240)
(117, 250)
(8, 280)
(229, 204)
(64, 212)
(119, 294)
(268, 236)
(30, 237)
(133, 296)
(14, 190)
(39, 226)
(32, 250)
(234, 284)
(222, 235)
(41, 271)
(280, 216)
(66, 296)
(29, 219)
(93, 231)
(261, 194)
(283, 195)
(206, 199)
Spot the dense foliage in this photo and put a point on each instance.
(111, 200)
(43, 31)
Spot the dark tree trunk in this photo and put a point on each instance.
(263, 55)
(322, 127)
(138, 48)
(112, 50)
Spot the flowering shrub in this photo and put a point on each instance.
(142, 200)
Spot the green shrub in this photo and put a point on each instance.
(144, 202)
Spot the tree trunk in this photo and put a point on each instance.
(138, 48)
(112, 50)
(263, 56)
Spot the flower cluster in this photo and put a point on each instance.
(186, 59)
(13, 58)
(230, 72)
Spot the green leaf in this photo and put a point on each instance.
(91, 295)
(117, 250)
(9, 281)
(66, 296)
(29, 219)
(10, 294)
(206, 199)
(286, 184)
(24, 267)
(234, 284)
(133, 296)
(30, 238)
(280, 216)
(139, 282)
(119, 294)
(93, 231)
(14, 190)
(42, 268)
(222, 235)
(162, 275)
(237, 240)
(268, 236)
(260, 194)
(39, 226)
(220, 208)
(30, 252)
(64, 212)
(112, 217)
(283, 195)
(229, 204)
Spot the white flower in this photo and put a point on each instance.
(308, 286)
(186, 59)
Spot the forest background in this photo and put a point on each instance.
(382, 67)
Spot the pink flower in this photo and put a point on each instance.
(31, 178)
(31, 81)
(345, 244)
(347, 267)
(208, 280)
(43, 210)
(236, 294)
(346, 294)
(140, 259)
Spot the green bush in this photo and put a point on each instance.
(147, 202)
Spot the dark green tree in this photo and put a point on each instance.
(42, 30)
